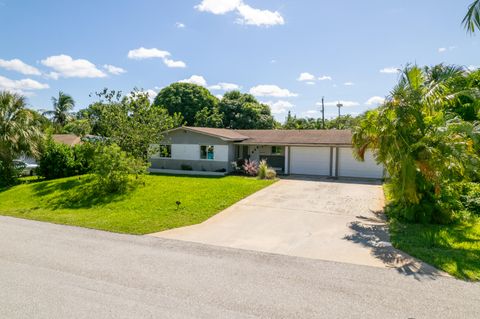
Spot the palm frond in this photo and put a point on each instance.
(471, 21)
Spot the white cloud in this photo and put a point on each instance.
(151, 94)
(180, 25)
(247, 14)
(252, 16)
(348, 83)
(218, 6)
(324, 78)
(113, 69)
(311, 113)
(345, 103)
(144, 53)
(63, 65)
(375, 100)
(310, 83)
(19, 86)
(445, 49)
(219, 96)
(279, 107)
(19, 66)
(224, 86)
(305, 76)
(174, 64)
(271, 90)
(195, 79)
(390, 70)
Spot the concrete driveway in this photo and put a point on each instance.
(321, 219)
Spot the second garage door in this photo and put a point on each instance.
(310, 160)
(348, 166)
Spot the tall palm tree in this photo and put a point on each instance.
(471, 21)
(61, 108)
(19, 133)
(422, 145)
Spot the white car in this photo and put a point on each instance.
(26, 168)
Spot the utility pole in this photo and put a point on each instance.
(323, 113)
(339, 105)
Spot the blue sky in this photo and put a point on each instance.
(262, 47)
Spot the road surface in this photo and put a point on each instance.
(53, 271)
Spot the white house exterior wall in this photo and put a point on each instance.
(192, 152)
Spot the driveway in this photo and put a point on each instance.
(321, 219)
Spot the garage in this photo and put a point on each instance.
(310, 160)
(348, 166)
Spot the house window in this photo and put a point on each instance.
(207, 152)
(165, 150)
(276, 150)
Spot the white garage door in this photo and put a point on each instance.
(310, 160)
(348, 166)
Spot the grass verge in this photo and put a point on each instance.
(454, 248)
(147, 209)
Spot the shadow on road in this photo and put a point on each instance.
(372, 232)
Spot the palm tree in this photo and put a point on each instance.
(19, 134)
(471, 21)
(422, 144)
(61, 109)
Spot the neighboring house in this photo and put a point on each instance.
(67, 139)
(305, 152)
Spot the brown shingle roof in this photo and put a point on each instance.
(222, 133)
(279, 137)
(67, 139)
(297, 137)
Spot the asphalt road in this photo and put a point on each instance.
(53, 271)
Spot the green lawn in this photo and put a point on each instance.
(147, 209)
(451, 248)
(454, 248)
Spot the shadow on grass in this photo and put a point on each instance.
(372, 232)
(190, 176)
(20, 181)
(79, 192)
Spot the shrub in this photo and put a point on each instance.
(265, 172)
(250, 168)
(262, 169)
(60, 160)
(9, 172)
(57, 161)
(271, 174)
(84, 157)
(469, 194)
(115, 170)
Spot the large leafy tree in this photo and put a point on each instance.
(422, 141)
(187, 99)
(62, 106)
(208, 118)
(132, 122)
(243, 111)
(19, 133)
(471, 21)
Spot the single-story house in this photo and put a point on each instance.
(304, 152)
